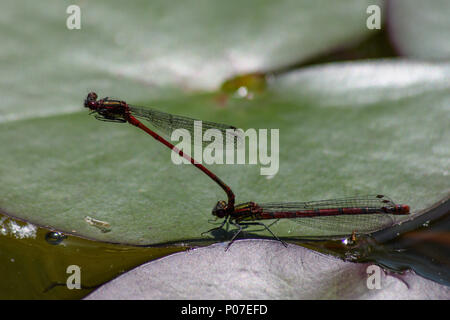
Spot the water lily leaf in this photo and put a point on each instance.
(264, 270)
(344, 129)
(419, 29)
(149, 48)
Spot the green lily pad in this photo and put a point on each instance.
(149, 48)
(345, 129)
(420, 29)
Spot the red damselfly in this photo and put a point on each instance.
(120, 112)
(335, 217)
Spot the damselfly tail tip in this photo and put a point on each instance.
(399, 209)
(403, 209)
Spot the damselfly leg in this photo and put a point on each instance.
(243, 225)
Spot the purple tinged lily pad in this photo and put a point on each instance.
(262, 269)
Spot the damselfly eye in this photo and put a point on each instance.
(92, 96)
(219, 209)
(90, 100)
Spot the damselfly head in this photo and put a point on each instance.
(220, 210)
(90, 100)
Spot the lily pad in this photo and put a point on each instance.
(264, 270)
(345, 129)
(149, 48)
(420, 29)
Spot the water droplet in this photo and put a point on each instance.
(55, 237)
(242, 92)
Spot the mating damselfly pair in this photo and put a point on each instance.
(361, 214)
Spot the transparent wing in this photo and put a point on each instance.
(167, 123)
(342, 225)
(339, 225)
(367, 201)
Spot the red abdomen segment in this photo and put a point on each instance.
(317, 213)
(401, 209)
(396, 210)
